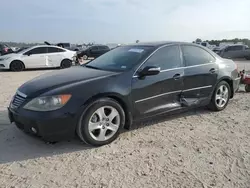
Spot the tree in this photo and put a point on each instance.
(137, 41)
(198, 40)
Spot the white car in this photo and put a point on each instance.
(43, 56)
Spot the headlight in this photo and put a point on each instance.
(3, 59)
(47, 103)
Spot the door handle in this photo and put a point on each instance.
(177, 76)
(212, 70)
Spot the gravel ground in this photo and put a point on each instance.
(195, 149)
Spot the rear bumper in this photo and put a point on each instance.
(236, 84)
(50, 129)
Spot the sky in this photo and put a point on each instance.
(123, 21)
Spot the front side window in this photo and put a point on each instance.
(38, 50)
(194, 55)
(166, 58)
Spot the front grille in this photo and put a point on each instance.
(17, 100)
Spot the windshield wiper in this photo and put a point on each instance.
(92, 67)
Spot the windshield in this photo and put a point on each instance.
(121, 59)
(21, 50)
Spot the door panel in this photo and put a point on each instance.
(161, 92)
(34, 61)
(199, 80)
(158, 93)
(200, 75)
(53, 59)
(35, 58)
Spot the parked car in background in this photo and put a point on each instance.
(93, 51)
(43, 56)
(235, 51)
(5, 49)
(126, 84)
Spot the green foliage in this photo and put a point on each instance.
(236, 40)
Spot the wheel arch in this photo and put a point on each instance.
(229, 81)
(17, 60)
(119, 99)
(67, 60)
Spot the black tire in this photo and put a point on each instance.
(248, 58)
(213, 104)
(66, 63)
(247, 88)
(16, 66)
(83, 128)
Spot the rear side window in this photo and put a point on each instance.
(194, 55)
(39, 50)
(54, 50)
(166, 58)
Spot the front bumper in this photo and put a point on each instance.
(3, 66)
(49, 126)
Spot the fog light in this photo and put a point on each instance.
(33, 130)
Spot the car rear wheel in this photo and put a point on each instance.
(247, 88)
(16, 66)
(101, 123)
(220, 97)
(85, 57)
(66, 63)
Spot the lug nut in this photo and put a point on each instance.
(107, 124)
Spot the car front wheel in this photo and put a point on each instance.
(101, 123)
(16, 66)
(220, 97)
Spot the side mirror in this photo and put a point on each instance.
(149, 71)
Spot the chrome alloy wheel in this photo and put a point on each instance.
(221, 96)
(104, 123)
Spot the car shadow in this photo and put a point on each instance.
(28, 70)
(15, 145)
(168, 117)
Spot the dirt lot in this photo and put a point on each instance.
(194, 149)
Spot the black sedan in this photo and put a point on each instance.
(93, 51)
(127, 84)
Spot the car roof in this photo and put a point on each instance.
(160, 43)
(45, 46)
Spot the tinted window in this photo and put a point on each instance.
(54, 50)
(94, 48)
(204, 44)
(196, 56)
(39, 50)
(234, 48)
(103, 47)
(165, 58)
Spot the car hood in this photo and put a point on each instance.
(56, 79)
(9, 55)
